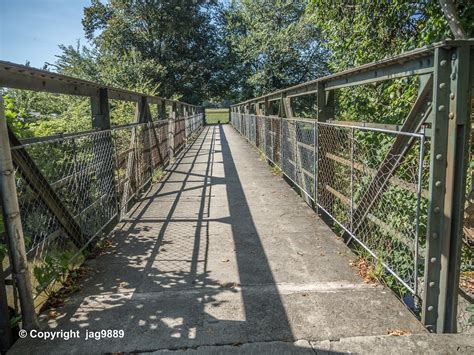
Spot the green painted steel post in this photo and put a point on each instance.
(462, 71)
(433, 311)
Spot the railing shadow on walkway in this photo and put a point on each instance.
(153, 257)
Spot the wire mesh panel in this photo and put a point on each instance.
(334, 172)
(288, 151)
(180, 132)
(80, 169)
(388, 205)
(269, 137)
(74, 174)
(252, 133)
(304, 145)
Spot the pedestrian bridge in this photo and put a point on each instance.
(240, 237)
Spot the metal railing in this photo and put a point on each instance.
(97, 176)
(396, 187)
(333, 166)
(60, 193)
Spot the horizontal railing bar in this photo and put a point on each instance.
(338, 80)
(398, 133)
(26, 142)
(16, 76)
(391, 127)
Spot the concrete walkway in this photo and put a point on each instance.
(223, 253)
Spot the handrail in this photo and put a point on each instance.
(16, 76)
(419, 58)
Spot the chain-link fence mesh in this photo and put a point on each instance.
(374, 193)
(74, 188)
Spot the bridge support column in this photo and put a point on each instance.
(448, 166)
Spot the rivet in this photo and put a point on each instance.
(433, 260)
(442, 85)
(453, 57)
(437, 209)
(451, 115)
(442, 63)
(453, 76)
(438, 183)
(451, 96)
(434, 235)
(441, 108)
(439, 156)
(430, 308)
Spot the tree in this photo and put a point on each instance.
(274, 45)
(356, 33)
(178, 37)
(360, 32)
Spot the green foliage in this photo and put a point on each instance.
(34, 114)
(360, 32)
(174, 43)
(52, 267)
(3, 250)
(14, 116)
(363, 32)
(274, 44)
(157, 175)
(470, 309)
(217, 115)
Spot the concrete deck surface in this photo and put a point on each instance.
(223, 254)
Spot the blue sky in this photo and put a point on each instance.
(33, 29)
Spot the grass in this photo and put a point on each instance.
(214, 115)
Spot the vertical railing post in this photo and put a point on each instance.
(315, 164)
(352, 181)
(162, 109)
(101, 121)
(430, 312)
(418, 214)
(171, 124)
(458, 113)
(14, 229)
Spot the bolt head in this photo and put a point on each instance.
(443, 63)
(441, 108)
(439, 156)
(431, 284)
(430, 308)
(437, 209)
(433, 260)
(438, 183)
(434, 236)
